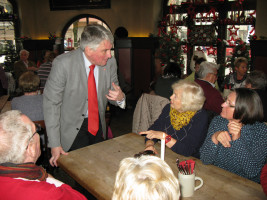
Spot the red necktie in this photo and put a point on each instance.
(93, 118)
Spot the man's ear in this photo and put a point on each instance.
(87, 51)
(207, 78)
(30, 152)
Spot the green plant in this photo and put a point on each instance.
(170, 49)
(11, 55)
(240, 50)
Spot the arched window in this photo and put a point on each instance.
(8, 29)
(6, 21)
(72, 31)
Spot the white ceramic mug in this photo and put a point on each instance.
(187, 184)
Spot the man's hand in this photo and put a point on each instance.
(116, 94)
(56, 151)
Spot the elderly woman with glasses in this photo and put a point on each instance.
(183, 123)
(236, 139)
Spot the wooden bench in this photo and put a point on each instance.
(3, 101)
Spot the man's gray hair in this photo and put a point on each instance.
(206, 68)
(93, 35)
(14, 137)
(257, 79)
(24, 50)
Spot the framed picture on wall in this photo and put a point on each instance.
(78, 4)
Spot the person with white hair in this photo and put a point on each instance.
(145, 177)
(23, 65)
(20, 177)
(197, 58)
(183, 123)
(207, 76)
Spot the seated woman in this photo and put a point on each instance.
(171, 74)
(236, 140)
(31, 103)
(146, 177)
(236, 79)
(193, 75)
(183, 123)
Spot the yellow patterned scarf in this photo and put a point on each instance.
(179, 120)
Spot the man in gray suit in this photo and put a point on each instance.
(65, 94)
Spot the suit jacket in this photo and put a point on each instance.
(65, 97)
(214, 98)
(192, 77)
(20, 68)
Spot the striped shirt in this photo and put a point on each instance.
(43, 73)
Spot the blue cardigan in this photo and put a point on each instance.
(245, 157)
(189, 138)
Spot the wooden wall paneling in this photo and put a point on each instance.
(124, 61)
(142, 71)
(259, 55)
(135, 61)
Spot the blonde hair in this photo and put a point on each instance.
(14, 137)
(240, 60)
(146, 177)
(192, 95)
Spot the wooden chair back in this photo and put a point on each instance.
(47, 150)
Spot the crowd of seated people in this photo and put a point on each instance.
(237, 130)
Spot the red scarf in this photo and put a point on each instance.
(26, 170)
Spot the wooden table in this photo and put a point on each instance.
(6, 107)
(3, 101)
(95, 167)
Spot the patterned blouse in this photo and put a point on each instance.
(245, 157)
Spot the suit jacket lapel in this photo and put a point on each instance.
(101, 81)
(81, 70)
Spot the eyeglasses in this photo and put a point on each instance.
(227, 102)
(37, 129)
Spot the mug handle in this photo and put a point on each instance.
(201, 183)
